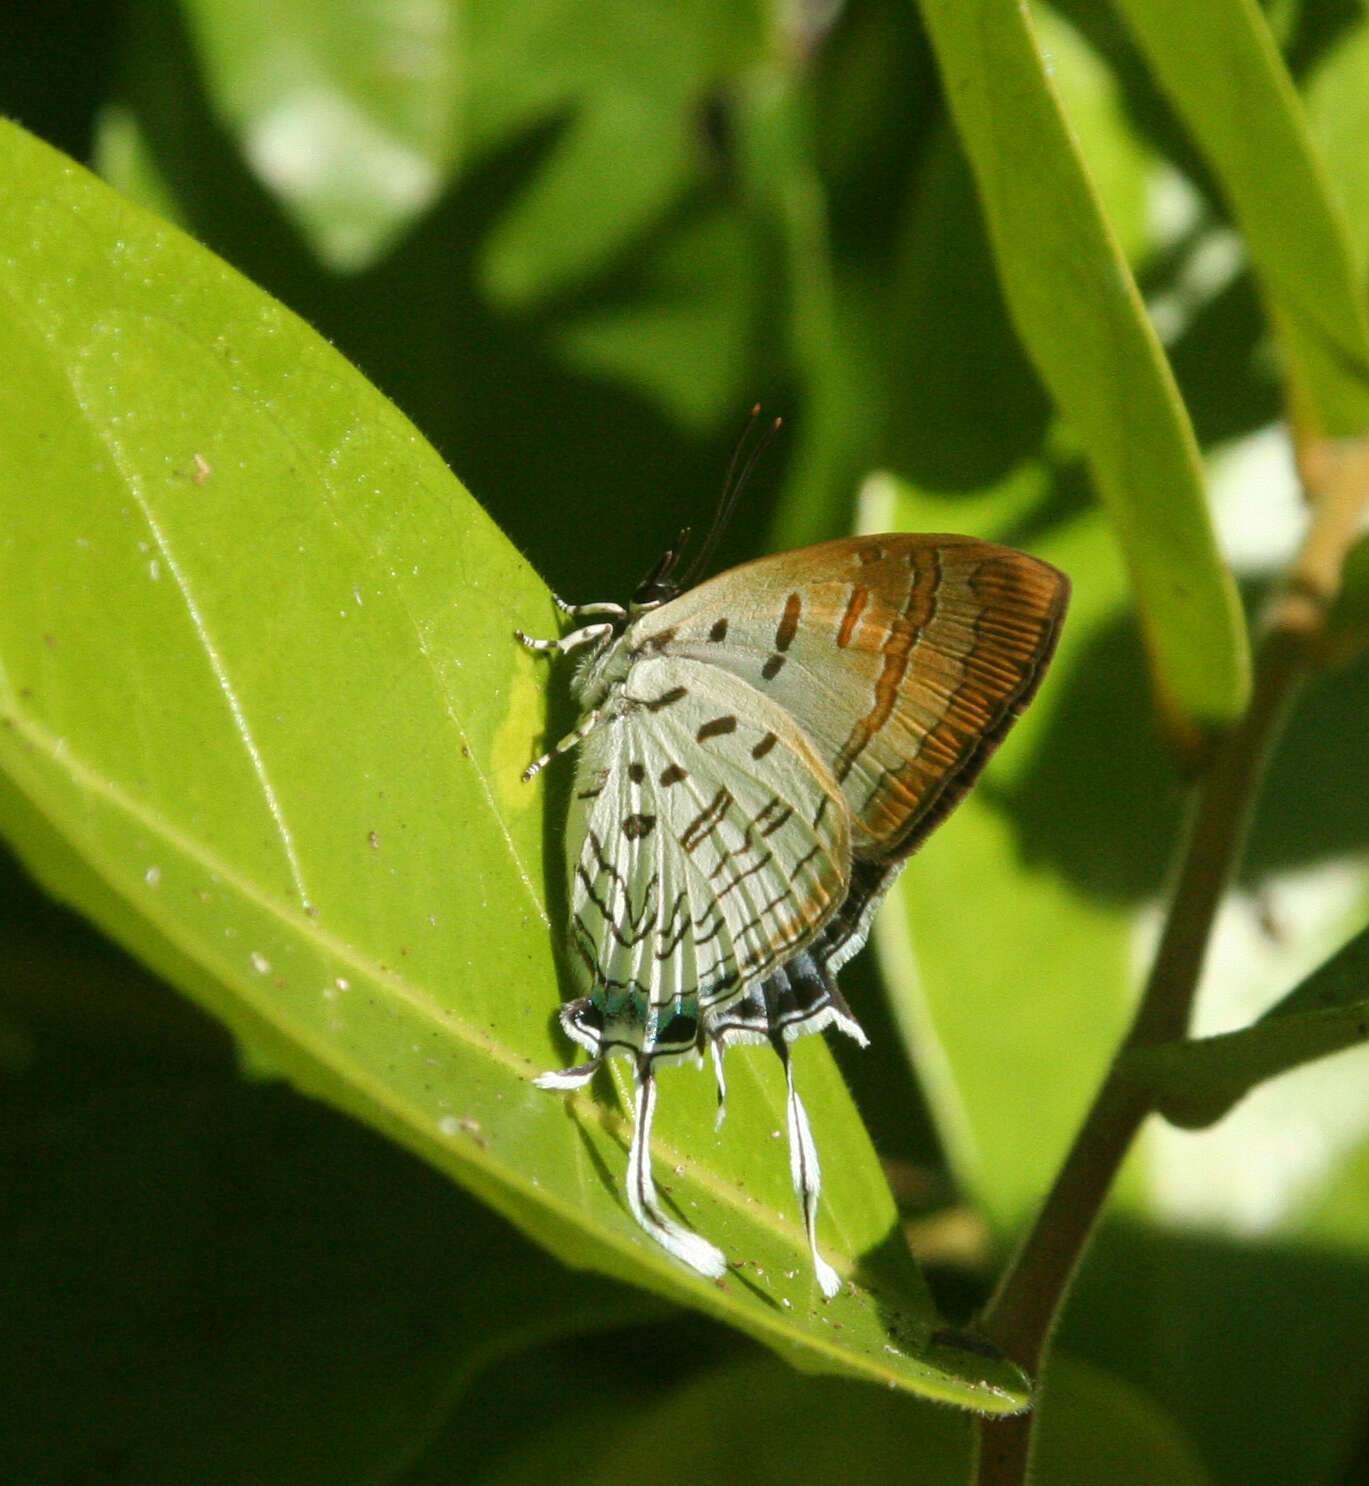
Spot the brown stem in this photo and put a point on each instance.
(1022, 1314)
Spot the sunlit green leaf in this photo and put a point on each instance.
(350, 112)
(1220, 66)
(1080, 317)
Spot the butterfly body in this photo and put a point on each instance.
(758, 757)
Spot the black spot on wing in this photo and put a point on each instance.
(764, 746)
(719, 631)
(772, 667)
(681, 1031)
(673, 774)
(789, 622)
(636, 772)
(667, 698)
(716, 727)
(637, 826)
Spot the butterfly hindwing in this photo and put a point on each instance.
(713, 844)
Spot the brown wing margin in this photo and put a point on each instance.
(1024, 602)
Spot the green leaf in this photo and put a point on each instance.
(618, 90)
(1336, 97)
(349, 112)
(1196, 1082)
(1196, 1320)
(1219, 65)
(1094, 1428)
(1081, 319)
(262, 717)
(357, 116)
(1348, 623)
(750, 1409)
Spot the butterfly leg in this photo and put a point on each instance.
(688, 1247)
(577, 611)
(586, 636)
(806, 1172)
(588, 723)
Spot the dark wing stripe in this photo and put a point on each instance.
(706, 819)
(855, 607)
(925, 580)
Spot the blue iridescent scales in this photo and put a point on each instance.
(759, 755)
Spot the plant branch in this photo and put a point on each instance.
(1022, 1314)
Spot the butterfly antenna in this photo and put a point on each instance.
(659, 584)
(734, 482)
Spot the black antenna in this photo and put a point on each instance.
(659, 584)
(734, 483)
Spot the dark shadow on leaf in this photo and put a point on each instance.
(1100, 801)
(1203, 1323)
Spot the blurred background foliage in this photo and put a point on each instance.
(574, 242)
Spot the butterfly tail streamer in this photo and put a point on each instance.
(688, 1247)
(715, 1047)
(805, 1170)
(569, 1078)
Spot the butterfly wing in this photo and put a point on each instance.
(710, 843)
(903, 658)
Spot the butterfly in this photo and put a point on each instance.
(758, 756)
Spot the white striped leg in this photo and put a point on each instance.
(806, 1173)
(577, 611)
(585, 636)
(688, 1247)
(587, 724)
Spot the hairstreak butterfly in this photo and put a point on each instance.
(758, 756)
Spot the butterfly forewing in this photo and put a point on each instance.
(903, 658)
(713, 843)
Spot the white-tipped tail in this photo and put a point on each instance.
(805, 1171)
(718, 1073)
(568, 1078)
(688, 1247)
